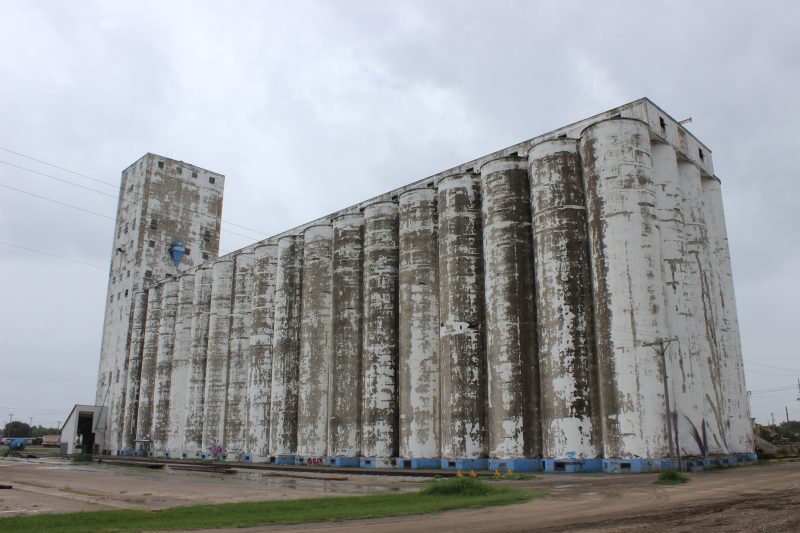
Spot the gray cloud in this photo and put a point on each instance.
(311, 107)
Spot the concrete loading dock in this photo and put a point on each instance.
(501, 314)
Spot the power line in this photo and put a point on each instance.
(114, 185)
(53, 255)
(128, 203)
(771, 366)
(62, 180)
(57, 202)
(118, 187)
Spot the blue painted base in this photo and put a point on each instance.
(573, 465)
(309, 460)
(464, 464)
(418, 463)
(515, 465)
(376, 462)
(637, 465)
(285, 459)
(347, 461)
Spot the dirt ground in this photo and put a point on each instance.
(753, 498)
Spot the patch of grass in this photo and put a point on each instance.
(716, 468)
(464, 486)
(671, 477)
(438, 496)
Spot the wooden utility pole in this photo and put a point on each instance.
(660, 347)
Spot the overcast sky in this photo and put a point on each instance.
(309, 107)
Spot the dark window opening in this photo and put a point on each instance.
(662, 123)
(151, 244)
(187, 251)
(212, 179)
(153, 223)
(179, 170)
(194, 174)
(394, 198)
(625, 466)
(430, 184)
(126, 293)
(112, 298)
(148, 273)
(562, 136)
(205, 255)
(160, 164)
(206, 235)
(701, 154)
(560, 467)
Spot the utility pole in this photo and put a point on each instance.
(660, 347)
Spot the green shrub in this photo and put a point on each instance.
(671, 477)
(460, 487)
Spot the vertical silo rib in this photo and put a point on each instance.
(239, 356)
(628, 286)
(380, 348)
(419, 327)
(286, 347)
(166, 346)
(685, 375)
(217, 357)
(134, 374)
(196, 382)
(347, 267)
(567, 359)
(260, 379)
(704, 352)
(315, 343)
(731, 367)
(144, 417)
(181, 365)
(511, 340)
(462, 356)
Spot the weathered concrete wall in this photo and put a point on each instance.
(196, 384)
(316, 346)
(260, 380)
(731, 374)
(166, 346)
(219, 325)
(420, 409)
(406, 375)
(181, 364)
(286, 346)
(628, 286)
(463, 361)
(567, 359)
(236, 405)
(348, 253)
(702, 347)
(379, 437)
(685, 376)
(134, 373)
(511, 338)
(161, 201)
(144, 411)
